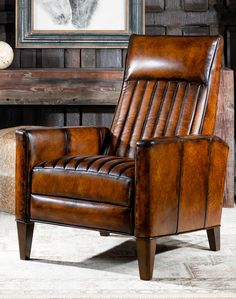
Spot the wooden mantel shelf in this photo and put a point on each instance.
(60, 86)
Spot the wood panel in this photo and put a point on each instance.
(2, 32)
(97, 115)
(50, 116)
(225, 129)
(72, 58)
(73, 116)
(2, 5)
(29, 115)
(109, 58)
(28, 58)
(60, 87)
(53, 58)
(10, 117)
(88, 58)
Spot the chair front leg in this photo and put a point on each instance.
(213, 235)
(146, 249)
(25, 236)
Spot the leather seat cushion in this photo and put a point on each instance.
(95, 178)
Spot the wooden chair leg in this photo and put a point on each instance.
(213, 235)
(104, 234)
(25, 236)
(146, 249)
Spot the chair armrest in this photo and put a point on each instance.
(51, 143)
(179, 184)
(37, 145)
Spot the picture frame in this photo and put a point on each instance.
(78, 24)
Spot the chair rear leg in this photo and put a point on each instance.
(25, 236)
(213, 235)
(146, 249)
(104, 234)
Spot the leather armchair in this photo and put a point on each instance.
(158, 171)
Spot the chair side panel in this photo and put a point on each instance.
(193, 187)
(156, 210)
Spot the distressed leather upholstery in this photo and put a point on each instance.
(82, 177)
(158, 171)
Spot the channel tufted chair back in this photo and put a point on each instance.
(170, 89)
(158, 171)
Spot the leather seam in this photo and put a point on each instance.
(90, 163)
(149, 108)
(207, 95)
(180, 181)
(107, 160)
(195, 108)
(78, 162)
(28, 178)
(182, 108)
(126, 168)
(67, 140)
(87, 172)
(125, 118)
(82, 199)
(64, 162)
(135, 120)
(121, 171)
(32, 220)
(171, 108)
(167, 83)
(207, 187)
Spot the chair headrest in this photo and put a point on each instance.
(171, 57)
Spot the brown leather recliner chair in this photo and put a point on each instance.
(158, 171)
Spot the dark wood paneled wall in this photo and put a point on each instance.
(56, 115)
(181, 17)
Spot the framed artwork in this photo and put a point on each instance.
(77, 23)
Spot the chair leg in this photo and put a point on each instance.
(146, 249)
(213, 235)
(25, 236)
(104, 234)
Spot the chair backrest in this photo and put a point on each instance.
(170, 88)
